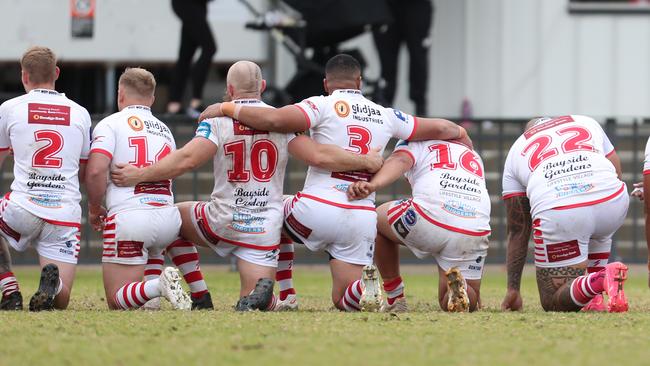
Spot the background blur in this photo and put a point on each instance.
(492, 65)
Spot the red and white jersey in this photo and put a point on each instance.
(50, 136)
(448, 182)
(562, 163)
(347, 119)
(135, 136)
(248, 180)
(646, 162)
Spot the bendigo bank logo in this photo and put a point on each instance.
(48, 114)
(342, 108)
(135, 123)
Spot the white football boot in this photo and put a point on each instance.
(371, 296)
(288, 304)
(398, 306)
(152, 305)
(171, 289)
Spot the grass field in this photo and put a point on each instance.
(88, 334)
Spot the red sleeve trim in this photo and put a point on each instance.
(646, 172)
(513, 194)
(406, 152)
(415, 126)
(610, 153)
(306, 116)
(83, 161)
(102, 151)
(4, 148)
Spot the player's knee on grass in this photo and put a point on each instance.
(554, 285)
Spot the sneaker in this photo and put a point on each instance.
(152, 305)
(597, 304)
(259, 299)
(288, 304)
(615, 276)
(398, 306)
(458, 300)
(43, 299)
(371, 297)
(13, 301)
(171, 289)
(203, 303)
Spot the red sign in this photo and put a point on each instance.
(161, 187)
(129, 249)
(48, 114)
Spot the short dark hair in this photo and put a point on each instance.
(342, 66)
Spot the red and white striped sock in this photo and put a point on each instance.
(8, 284)
(154, 266)
(597, 261)
(351, 297)
(186, 259)
(135, 294)
(585, 288)
(284, 275)
(394, 290)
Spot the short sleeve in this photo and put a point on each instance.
(103, 141)
(402, 124)
(312, 109)
(407, 147)
(208, 129)
(608, 147)
(85, 148)
(512, 187)
(5, 142)
(646, 162)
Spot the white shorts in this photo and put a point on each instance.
(346, 234)
(59, 242)
(567, 237)
(130, 235)
(261, 256)
(467, 251)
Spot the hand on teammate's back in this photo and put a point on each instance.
(465, 141)
(212, 111)
(512, 301)
(96, 217)
(125, 175)
(638, 191)
(360, 190)
(375, 160)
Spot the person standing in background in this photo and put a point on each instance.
(195, 33)
(412, 21)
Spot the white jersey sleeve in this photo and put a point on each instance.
(410, 149)
(103, 139)
(85, 148)
(209, 129)
(5, 142)
(511, 185)
(646, 162)
(402, 124)
(312, 108)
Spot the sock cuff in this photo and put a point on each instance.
(392, 284)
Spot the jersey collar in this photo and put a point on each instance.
(139, 107)
(45, 91)
(347, 91)
(247, 101)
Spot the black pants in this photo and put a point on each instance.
(195, 33)
(412, 25)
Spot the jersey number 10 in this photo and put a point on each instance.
(262, 169)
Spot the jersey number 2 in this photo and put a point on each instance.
(576, 141)
(44, 157)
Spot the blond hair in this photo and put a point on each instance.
(138, 81)
(40, 64)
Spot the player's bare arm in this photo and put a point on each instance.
(519, 229)
(440, 129)
(616, 161)
(96, 182)
(394, 167)
(332, 157)
(194, 154)
(286, 119)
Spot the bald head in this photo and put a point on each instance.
(535, 121)
(245, 80)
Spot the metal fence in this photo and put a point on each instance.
(492, 139)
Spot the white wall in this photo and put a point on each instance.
(125, 30)
(517, 58)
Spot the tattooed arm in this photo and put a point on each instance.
(519, 229)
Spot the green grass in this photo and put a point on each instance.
(87, 334)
